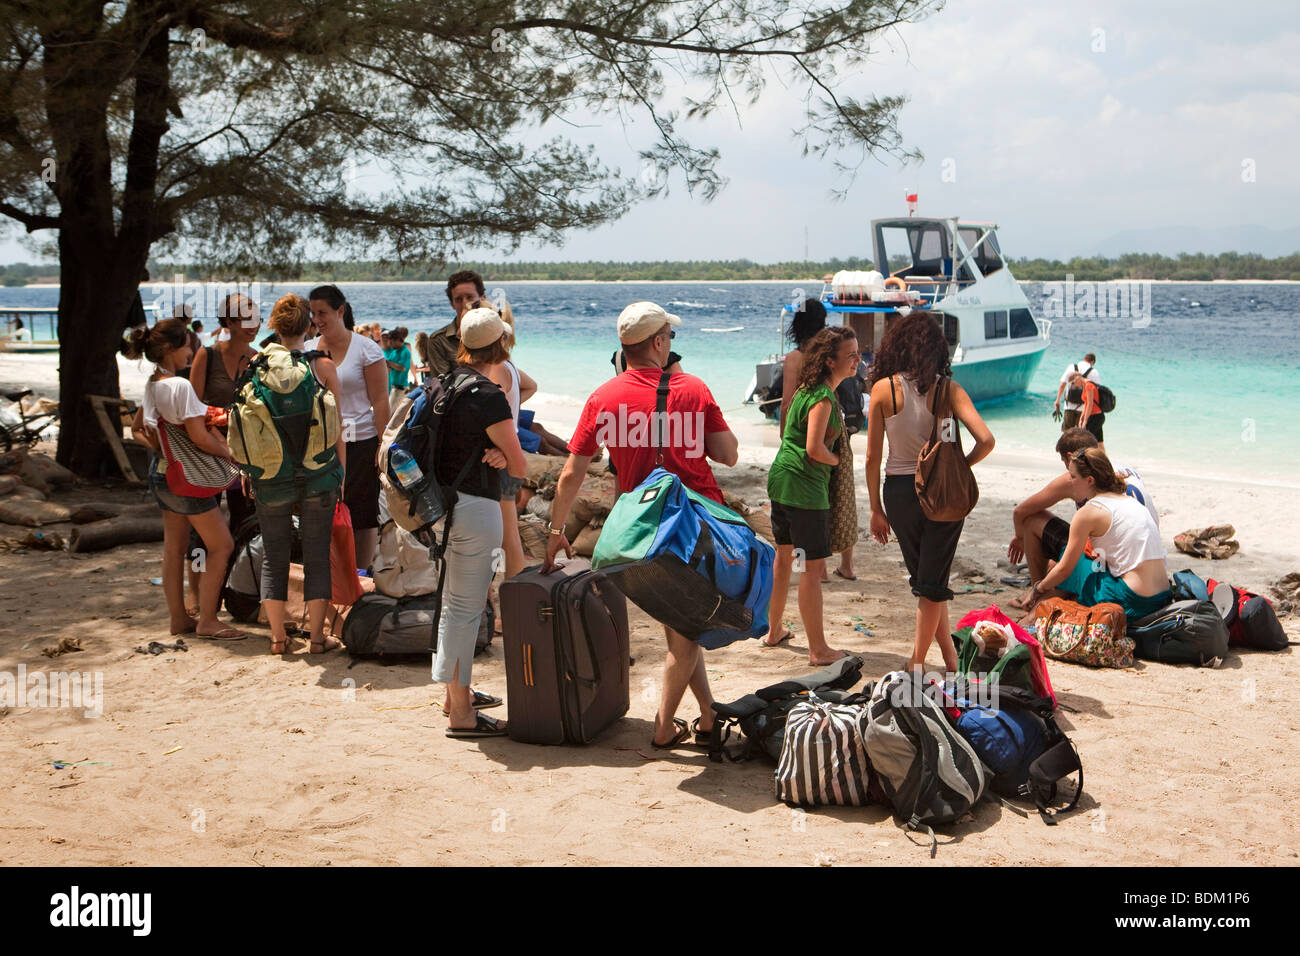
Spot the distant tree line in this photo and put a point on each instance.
(1191, 267)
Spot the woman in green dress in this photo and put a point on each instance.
(798, 485)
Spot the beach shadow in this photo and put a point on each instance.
(1081, 703)
(625, 743)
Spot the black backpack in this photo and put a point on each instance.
(1184, 632)
(1037, 782)
(1105, 397)
(242, 592)
(760, 717)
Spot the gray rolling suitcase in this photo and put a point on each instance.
(566, 648)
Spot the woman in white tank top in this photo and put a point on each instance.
(912, 359)
(518, 388)
(1130, 568)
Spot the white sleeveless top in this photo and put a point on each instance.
(512, 394)
(1132, 537)
(908, 431)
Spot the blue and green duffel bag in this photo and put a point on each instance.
(687, 561)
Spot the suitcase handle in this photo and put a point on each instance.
(591, 647)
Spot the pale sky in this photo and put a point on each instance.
(1065, 122)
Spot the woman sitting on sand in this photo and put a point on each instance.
(799, 485)
(171, 399)
(479, 431)
(912, 360)
(1130, 568)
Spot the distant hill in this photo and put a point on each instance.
(1175, 240)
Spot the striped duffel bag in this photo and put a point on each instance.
(824, 757)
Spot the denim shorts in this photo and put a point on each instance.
(168, 500)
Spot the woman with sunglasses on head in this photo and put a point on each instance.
(1130, 569)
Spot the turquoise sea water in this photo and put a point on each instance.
(1211, 386)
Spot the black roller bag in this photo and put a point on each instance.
(566, 647)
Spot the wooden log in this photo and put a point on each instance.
(99, 510)
(134, 528)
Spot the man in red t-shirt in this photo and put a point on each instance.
(619, 415)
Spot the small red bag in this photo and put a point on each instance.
(345, 583)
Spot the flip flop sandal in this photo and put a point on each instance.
(481, 701)
(225, 634)
(484, 726)
(701, 736)
(847, 577)
(324, 645)
(781, 640)
(682, 733)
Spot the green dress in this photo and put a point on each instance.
(794, 479)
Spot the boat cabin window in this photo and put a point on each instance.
(988, 257)
(921, 249)
(949, 325)
(995, 324)
(1023, 325)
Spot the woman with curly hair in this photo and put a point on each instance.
(913, 359)
(799, 485)
(807, 321)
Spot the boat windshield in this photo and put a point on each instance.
(988, 257)
(919, 249)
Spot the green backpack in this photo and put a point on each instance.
(284, 426)
(1010, 670)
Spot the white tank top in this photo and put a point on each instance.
(512, 394)
(1131, 538)
(908, 431)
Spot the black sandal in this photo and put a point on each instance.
(682, 733)
(480, 701)
(484, 726)
(702, 737)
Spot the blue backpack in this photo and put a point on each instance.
(687, 561)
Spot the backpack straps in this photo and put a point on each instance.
(661, 416)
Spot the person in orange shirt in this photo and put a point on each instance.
(1090, 416)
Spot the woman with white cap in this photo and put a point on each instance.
(479, 428)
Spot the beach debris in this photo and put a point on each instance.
(156, 647)
(1286, 590)
(66, 645)
(862, 628)
(172, 751)
(1212, 542)
(33, 541)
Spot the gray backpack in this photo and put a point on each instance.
(929, 772)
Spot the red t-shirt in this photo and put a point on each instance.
(619, 415)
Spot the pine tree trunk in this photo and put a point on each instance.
(95, 297)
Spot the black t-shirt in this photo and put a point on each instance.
(466, 438)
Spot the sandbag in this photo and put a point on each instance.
(7, 484)
(32, 513)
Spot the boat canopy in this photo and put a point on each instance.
(936, 251)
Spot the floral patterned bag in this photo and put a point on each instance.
(1083, 635)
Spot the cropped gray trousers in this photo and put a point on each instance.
(473, 543)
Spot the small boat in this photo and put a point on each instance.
(25, 339)
(955, 271)
(734, 328)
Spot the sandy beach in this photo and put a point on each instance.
(226, 755)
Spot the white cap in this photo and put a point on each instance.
(479, 328)
(640, 320)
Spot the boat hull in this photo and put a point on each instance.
(997, 377)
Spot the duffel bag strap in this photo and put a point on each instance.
(661, 416)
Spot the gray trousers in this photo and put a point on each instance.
(316, 520)
(472, 546)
